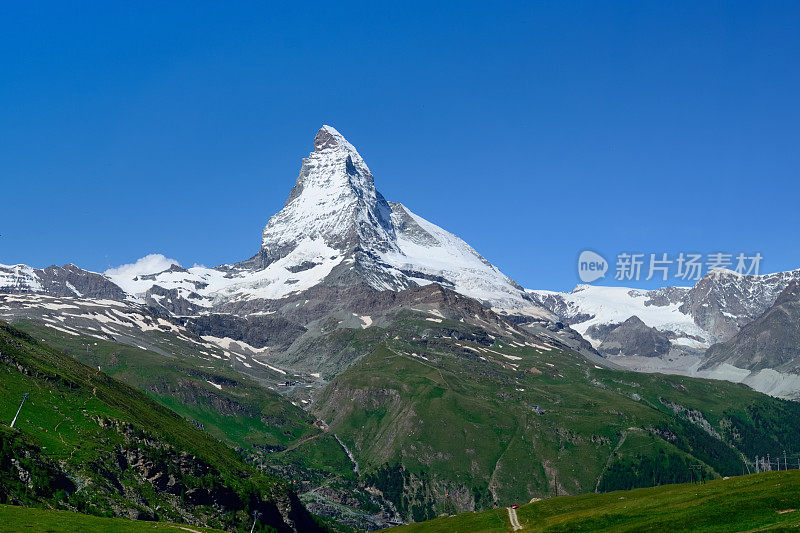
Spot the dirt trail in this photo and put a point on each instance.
(512, 517)
(302, 441)
(610, 458)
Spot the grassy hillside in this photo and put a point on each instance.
(449, 415)
(266, 428)
(759, 502)
(87, 442)
(231, 406)
(443, 419)
(14, 519)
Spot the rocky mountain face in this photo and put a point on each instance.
(771, 341)
(68, 280)
(723, 301)
(714, 309)
(336, 226)
(633, 337)
(721, 314)
(593, 311)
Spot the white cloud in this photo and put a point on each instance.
(149, 264)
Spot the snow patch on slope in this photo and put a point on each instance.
(427, 249)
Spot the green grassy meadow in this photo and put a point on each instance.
(760, 502)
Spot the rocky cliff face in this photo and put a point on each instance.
(714, 310)
(336, 227)
(771, 341)
(633, 337)
(334, 201)
(724, 301)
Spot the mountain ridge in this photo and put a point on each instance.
(715, 310)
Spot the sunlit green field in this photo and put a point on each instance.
(16, 519)
(760, 502)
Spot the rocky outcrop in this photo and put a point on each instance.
(172, 301)
(771, 341)
(633, 337)
(259, 331)
(68, 280)
(723, 301)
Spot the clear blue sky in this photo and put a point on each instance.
(533, 130)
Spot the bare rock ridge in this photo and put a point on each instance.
(67, 280)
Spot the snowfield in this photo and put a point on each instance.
(613, 305)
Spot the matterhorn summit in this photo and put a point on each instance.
(333, 205)
(336, 221)
(335, 229)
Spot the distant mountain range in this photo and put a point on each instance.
(701, 331)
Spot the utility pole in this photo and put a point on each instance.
(785, 466)
(256, 514)
(24, 397)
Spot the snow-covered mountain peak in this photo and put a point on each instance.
(328, 138)
(334, 208)
(335, 230)
(334, 201)
(331, 148)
